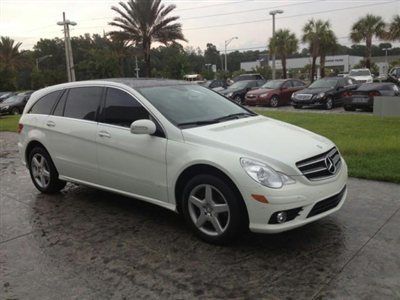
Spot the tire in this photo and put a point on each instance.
(274, 102)
(43, 173)
(349, 108)
(238, 100)
(329, 103)
(15, 111)
(297, 106)
(213, 227)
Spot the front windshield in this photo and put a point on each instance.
(190, 103)
(13, 99)
(238, 85)
(323, 83)
(273, 84)
(359, 73)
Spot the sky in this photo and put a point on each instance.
(203, 21)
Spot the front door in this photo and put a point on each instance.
(132, 163)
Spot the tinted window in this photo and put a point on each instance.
(287, 84)
(59, 110)
(82, 103)
(121, 109)
(45, 104)
(297, 83)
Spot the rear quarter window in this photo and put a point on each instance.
(45, 104)
(83, 102)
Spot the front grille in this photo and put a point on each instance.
(303, 96)
(327, 204)
(321, 166)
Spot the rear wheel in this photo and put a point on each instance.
(237, 100)
(349, 108)
(43, 172)
(296, 106)
(212, 209)
(274, 102)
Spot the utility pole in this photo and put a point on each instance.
(227, 42)
(273, 13)
(68, 49)
(136, 67)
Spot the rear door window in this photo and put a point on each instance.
(45, 104)
(82, 103)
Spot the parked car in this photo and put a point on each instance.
(274, 92)
(185, 148)
(326, 92)
(5, 95)
(15, 104)
(238, 90)
(361, 75)
(363, 96)
(394, 76)
(248, 77)
(216, 83)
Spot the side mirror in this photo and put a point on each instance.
(143, 126)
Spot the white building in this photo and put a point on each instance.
(343, 63)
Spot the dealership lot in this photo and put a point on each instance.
(85, 243)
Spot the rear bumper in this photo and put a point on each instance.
(349, 101)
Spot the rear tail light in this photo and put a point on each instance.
(347, 94)
(374, 93)
(20, 127)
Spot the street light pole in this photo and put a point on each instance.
(227, 42)
(68, 49)
(273, 13)
(386, 60)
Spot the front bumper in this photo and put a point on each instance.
(304, 195)
(311, 102)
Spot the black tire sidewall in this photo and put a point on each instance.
(235, 203)
(55, 184)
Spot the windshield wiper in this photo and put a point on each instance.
(234, 116)
(198, 123)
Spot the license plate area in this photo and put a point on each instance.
(360, 99)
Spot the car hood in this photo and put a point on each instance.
(279, 144)
(314, 91)
(262, 91)
(361, 77)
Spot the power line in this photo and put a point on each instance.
(291, 16)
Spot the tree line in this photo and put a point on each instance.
(142, 23)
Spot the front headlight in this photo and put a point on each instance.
(293, 96)
(321, 95)
(264, 174)
(229, 94)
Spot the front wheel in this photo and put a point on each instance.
(274, 102)
(43, 172)
(15, 111)
(329, 104)
(212, 209)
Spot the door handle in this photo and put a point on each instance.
(104, 134)
(50, 124)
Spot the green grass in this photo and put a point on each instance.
(9, 123)
(369, 144)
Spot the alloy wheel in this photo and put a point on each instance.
(329, 103)
(274, 101)
(40, 170)
(238, 100)
(209, 210)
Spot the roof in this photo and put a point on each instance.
(146, 82)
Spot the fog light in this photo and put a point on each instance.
(281, 217)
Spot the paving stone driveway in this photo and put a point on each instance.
(89, 244)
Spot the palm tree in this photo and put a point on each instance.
(394, 28)
(328, 44)
(144, 22)
(284, 43)
(364, 30)
(10, 56)
(312, 33)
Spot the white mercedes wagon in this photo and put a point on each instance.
(185, 148)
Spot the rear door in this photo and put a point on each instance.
(129, 162)
(73, 128)
(286, 91)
